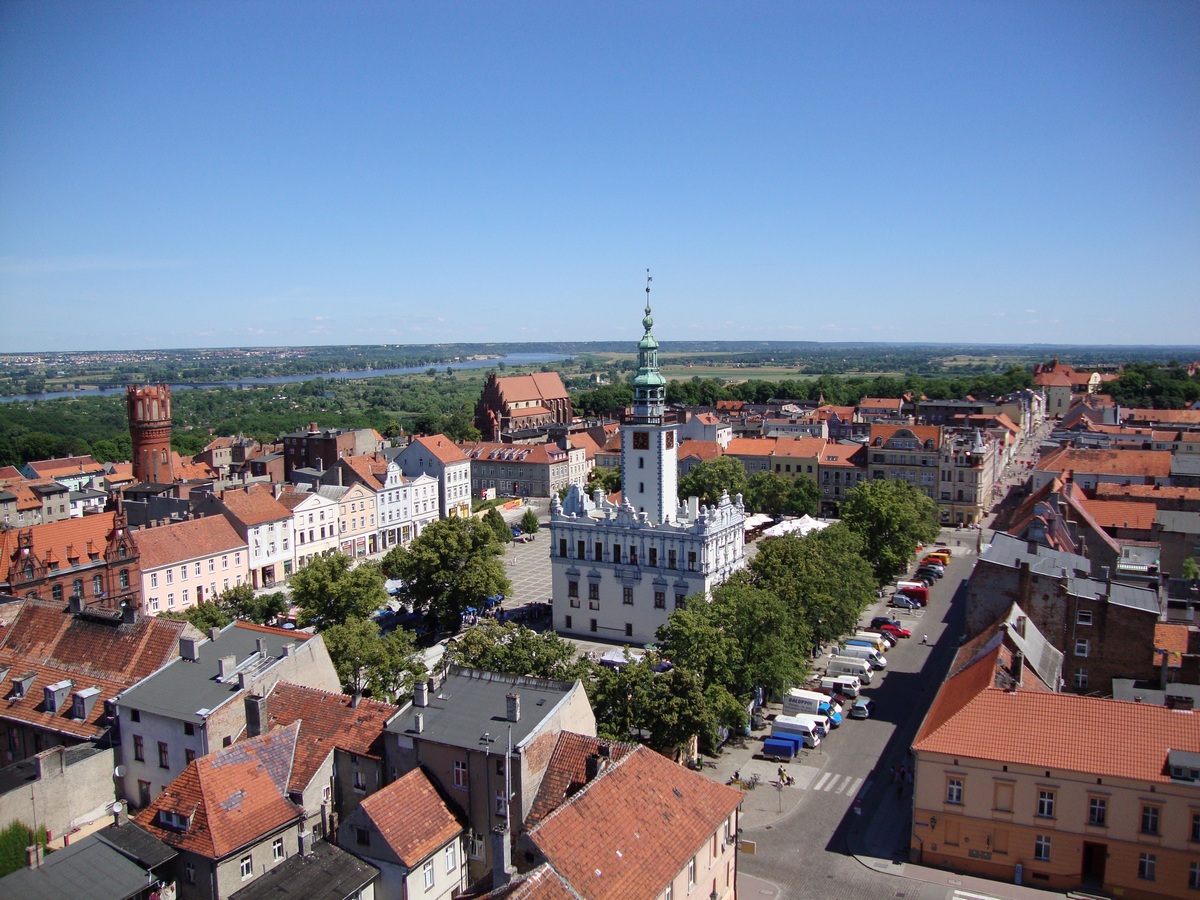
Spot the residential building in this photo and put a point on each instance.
(1088, 468)
(1058, 390)
(1016, 782)
(486, 739)
(317, 448)
(265, 524)
(190, 562)
(675, 832)
(94, 558)
(72, 472)
(64, 666)
(692, 453)
(909, 453)
(322, 870)
(314, 523)
(705, 426)
(413, 836)
(968, 469)
(525, 470)
(196, 704)
(24, 503)
(841, 468)
(522, 407)
(640, 558)
(881, 409)
(358, 533)
(440, 457)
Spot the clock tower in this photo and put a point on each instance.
(649, 468)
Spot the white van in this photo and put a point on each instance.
(871, 655)
(806, 731)
(845, 665)
(881, 642)
(823, 724)
(798, 727)
(846, 685)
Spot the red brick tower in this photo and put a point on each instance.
(150, 428)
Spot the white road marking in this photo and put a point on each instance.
(821, 782)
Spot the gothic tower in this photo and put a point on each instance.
(150, 428)
(649, 468)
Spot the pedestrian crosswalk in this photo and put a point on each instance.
(837, 784)
(963, 894)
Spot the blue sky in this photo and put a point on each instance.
(227, 174)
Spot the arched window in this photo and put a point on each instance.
(77, 588)
(57, 592)
(97, 586)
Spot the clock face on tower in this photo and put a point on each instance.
(670, 439)
(641, 440)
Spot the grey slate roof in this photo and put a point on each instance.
(182, 688)
(137, 843)
(328, 873)
(1006, 550)
(471, 703)
(89, 869)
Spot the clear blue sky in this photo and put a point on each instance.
(179, 174)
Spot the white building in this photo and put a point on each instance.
(619, 569)
(440, 457)
(315, 521)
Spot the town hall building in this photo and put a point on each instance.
(620, 568)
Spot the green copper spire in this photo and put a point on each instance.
(649, 386)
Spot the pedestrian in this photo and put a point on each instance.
(780, 773)
(924, 639)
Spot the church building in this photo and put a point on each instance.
(620, 568)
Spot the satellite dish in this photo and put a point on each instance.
(117, 808)
(119, 772)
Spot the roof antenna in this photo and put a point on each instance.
(648, 280)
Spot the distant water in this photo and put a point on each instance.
(512, 359)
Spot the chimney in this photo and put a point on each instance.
(502, 870)
(225, 667)
(187, 648)
(512, 707)
(256, 714)
(419, 723)
(421, 693)
(305, 840)
(355, 700)
(75, 604)
(128, 614)
(33, 855)
(312, 428)
(289, 649)
(1018, 666)
(260, 644)
(214, 633)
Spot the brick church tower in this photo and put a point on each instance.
(150, 428)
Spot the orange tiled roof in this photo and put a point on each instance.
(542, 454)
(803, 447)
(973, 717)
(254, 507)
(566, 773)
(1122, 514)
(42, 638)
(412, 817)
(633, 829)
(231, 797)
(327, 721)
(1183, 417)
(1141, 463)
(367, 468)
(538, 386)
(541, 883)
(181, 541)
(881, 402)
(68, 465)
(702, 450)
(1146, 492)
(731, 405)
(582, 440)
(10, 473)
(1052, 379)
(1171, 640)
(441, 447)
(843, 455)
(751, 446)
(67, 539)
(881, 434)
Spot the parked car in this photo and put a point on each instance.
(902, 602)
(924, 577)
(880, 621)
(930, 570)
(915, 598)
(933, 563)
(861, 708)
(523, 538)
(895, 631)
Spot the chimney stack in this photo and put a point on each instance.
(419, 723)
(128, 614)
(513, 707)
(225, 667)
(214, 633)
(260, 644)
(502, 869)
(256, 714)
(1018, 666)
(305, 840)
(421, 693)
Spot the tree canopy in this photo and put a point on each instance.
(707, 479)
(892, 518)
(385, 666)
(452, 564)
(514, 649)
(331, 590)
(778, 495)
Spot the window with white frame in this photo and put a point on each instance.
(1147, 866)
(451, 857)
(427, 873)
(1194, 876)
(247, 867)
(1081, 647)
(1041, 848)
(1045, 806)
(954, 791)
(460, 775)
(1083, 617)
(1080, 679)
(277, 849)
(475, 849)
(692, 872)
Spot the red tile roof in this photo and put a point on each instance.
(181, 541)
(843, 455)
(895, 403)
(633, 829)
(10, 473)
(972, 716)
(90, 650)
(751, 446)
(441, 447)
(327, 721)
(1171, 640)
(542, 883)
(1052, 379)
(1134, 463)
(412, 817)
(701, 450)
(566, 773)
(233, 796)
(803, 448)
(1183, 417)
(584, 441)
(67, 466)
(68, 539)
(1122, 514)
(1145, 492)
(881, 434)
(538, 386)
(254, 507)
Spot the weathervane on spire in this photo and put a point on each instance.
(648, 322)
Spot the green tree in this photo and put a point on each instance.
(514, 649)
(262, 608)
(605, 479)
(331, 590)
(529, 521)
(822, 577)
(709, 478)
(452, 564)
(804, 498)
(13, 841)
(500, 529)
(679, 711)
(767, 492)
(1191, 571)
(891, 517)
(204, 616)
(367, 662)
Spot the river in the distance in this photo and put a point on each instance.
(512, 359)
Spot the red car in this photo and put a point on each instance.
(895, 631)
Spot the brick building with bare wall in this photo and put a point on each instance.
(149, 409)
(522, 407)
